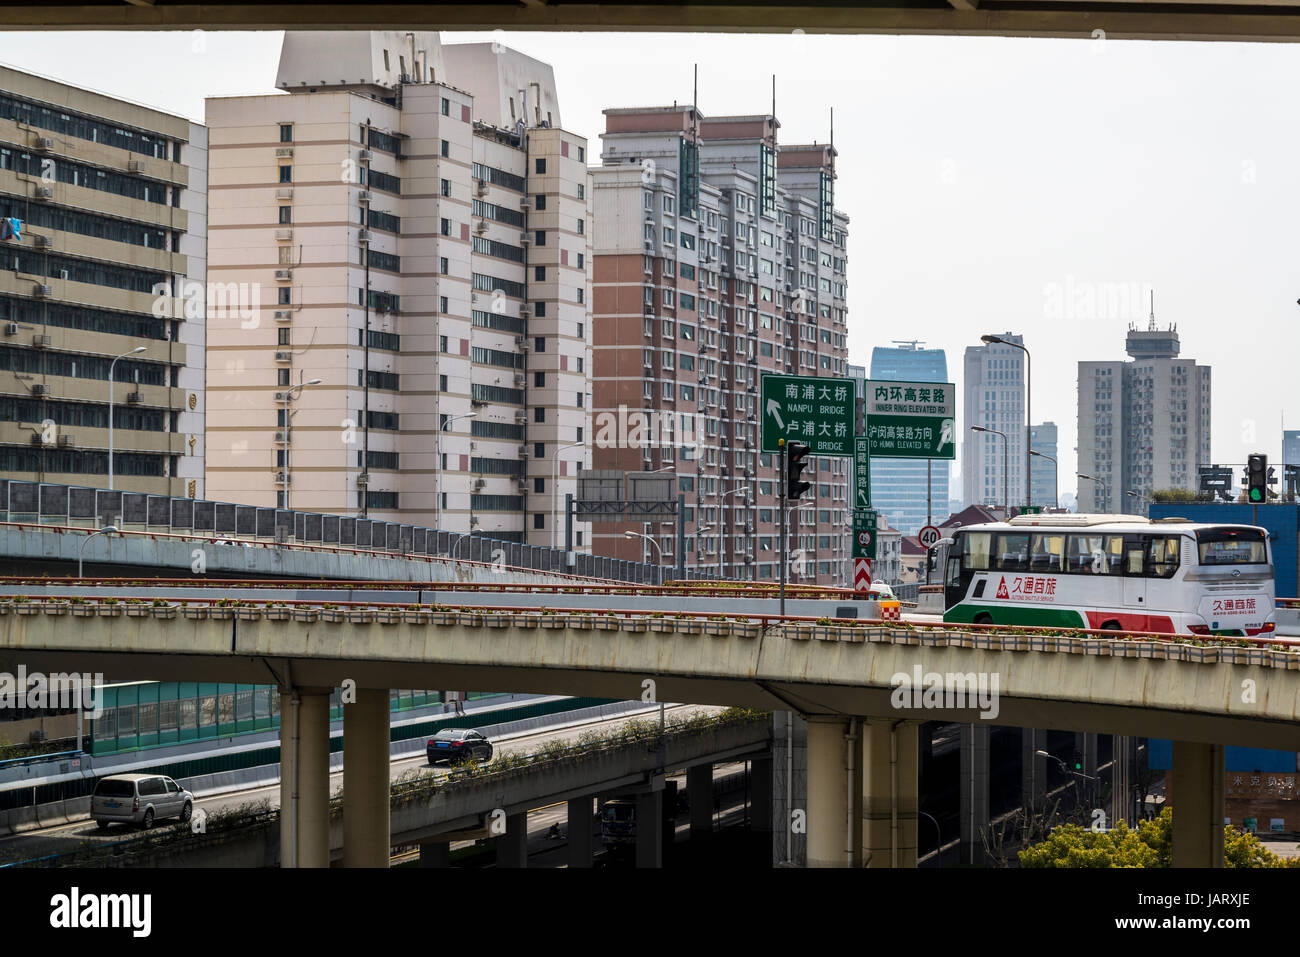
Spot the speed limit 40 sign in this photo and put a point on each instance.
(928, 536)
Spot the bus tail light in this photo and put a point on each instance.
(1199, 629)
(1268, 628)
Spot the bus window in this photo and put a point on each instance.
(975, 550)
(1047, 553)
(1095, 554)
(1135, 556)
(1013, 552)
(1164, 557)
(1231, 546)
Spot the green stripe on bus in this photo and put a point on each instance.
(965, 613)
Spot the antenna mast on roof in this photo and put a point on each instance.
(695, 104)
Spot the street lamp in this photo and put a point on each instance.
(289, 396)
(1006, 502)
(722, 521)
(1056, 494)
(660, 551)
(81, 553)
(1093, 478)
(134, 352)
(700, 533)
(437, 465)
(554, 479)
(1028, 384)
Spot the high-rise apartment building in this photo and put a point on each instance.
(994, 390)
(1043, 475)
(106, 274)
(719, 256)
(1143, 424)
(898, 485)
(417, 240)
(1290, 447)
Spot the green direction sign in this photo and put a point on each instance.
(911, 420)
(861, 473)
(864, 533)
(818, 412)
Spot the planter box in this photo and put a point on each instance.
(105, 611)
(901, 636)
(524, 621)
(1043, 643)
(308, 615)
(195, 612)
(985, 641)
(1097, 646)
(388, 616)
(415, 616)
(497, 620)
(334, 616)
(137, 611)
(796, 632)
(1127, 648)
(443, 618)
(83, 611)
(163, 611)
(961, 639)
(470, 619)
(26, 608)
(688, 626)
(581, 622)
(360, 616)
(718, 629)
(1069, 646)
(754, 629)
(1202, 656)
(554, 621)
(53, 609)
(636, 625)
(661, 625)
(248, 614)
(934, 639)
(221, 612)
(277, 614)
(1242, 656)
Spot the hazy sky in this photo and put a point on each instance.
(991, 184)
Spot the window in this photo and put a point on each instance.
(282, 376)
(446, 107)
(539, 344)
(286, 132)
(539, 450)
(286, 174)
(286, 215)
(539, 414)
(283, 295)
(446, 148)
(539, 202)
(445, 187)
(539, 380)
(444, 226)
(582, 190)
(540, 165)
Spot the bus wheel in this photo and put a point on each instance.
(1111, 625)
(983, 618)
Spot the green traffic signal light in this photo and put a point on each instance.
(1256, 495)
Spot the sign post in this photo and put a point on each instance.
(861, 472)
(819, 412)
(911, 420)
(864, 547)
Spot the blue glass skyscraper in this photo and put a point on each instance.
(898, 485)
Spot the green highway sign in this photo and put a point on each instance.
(864, 533)
(818, 412)
(861, 473)
(911, 420)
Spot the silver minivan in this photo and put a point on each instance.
(139, 799)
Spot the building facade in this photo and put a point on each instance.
(1290, 447)
(1143, 424)
(994, 390)
(106, 274)
(418, 246)
(898, 485)
(719, 256)
(1043, 475)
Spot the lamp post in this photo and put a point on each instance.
(81, 553)
(699, 534)
(722, 521)
(658, 550)
(1028, 384)
(1006, 501)
(134, 352)
(554, 479)
(1056, 494)
(289, 396)
(1093, 478)
(1140, 496)
(437, 465)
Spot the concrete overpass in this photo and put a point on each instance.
(1143, 19)
(862, 776)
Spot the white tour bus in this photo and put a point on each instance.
(1119, 572)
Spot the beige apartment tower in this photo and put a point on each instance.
(106, 273)
(415, 223)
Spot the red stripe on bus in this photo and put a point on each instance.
(1130, 622)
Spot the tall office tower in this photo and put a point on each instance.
(418, 239)
(1143, 424)
(1290, 447)
(1043, 475)
(995, 399)
(719, 256)
(898, 485)
(110, 258)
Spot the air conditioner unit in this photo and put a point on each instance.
(363, 479)
(726, 240)
(283, 151)
(283, 234)
(284, 274)
(363, 235)
(40, 388)
(44, 143)
(38, 439)
(525, 312)
(480, 227)
(477, 402)
(525, 240)
(519, 380)
(41, 342)
(135, 166)
(282, 438)
(284, 192)
(67, 442)
(523, 451)
(363, 156)
(43, 242)
(363, 196)
(11, 328)
(521, 416)
(283, 356)
(282, 478)
(283, 315)
(481, 186)
(134, 398)
(41, 291)
(44, 192)
(649, 309)
(479, 485)
(525, 204)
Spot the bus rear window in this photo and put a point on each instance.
(1231, 546)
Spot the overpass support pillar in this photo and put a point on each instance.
(650, 829)
(305, 777)
(580, 832)
(699, 788)
(1198, 782)
(432, 853)
(834, 791)
(1033, 770)
(367, 834)
(973, 784)
(890, 793)
(760, 798)
(512, 846)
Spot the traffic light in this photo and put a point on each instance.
(1076, 761)
(1257, 479)
(795, 454)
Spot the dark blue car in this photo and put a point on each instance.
(454, 745)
